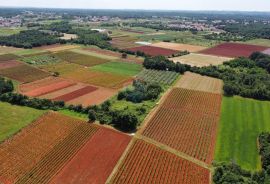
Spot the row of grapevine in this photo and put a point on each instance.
(161, 77)
(146, 163)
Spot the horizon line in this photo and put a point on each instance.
(131, 9)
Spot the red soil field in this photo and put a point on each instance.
(146, 163)
(39, 83)
(95, 98)
(9, 64)
(75, 94)
(154, 51)
(49, 88)
(187, 122)
(96, 160)
(20, 154)
(233, 50)
(59, 155)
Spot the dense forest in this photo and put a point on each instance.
(28, 39)
(249, 31)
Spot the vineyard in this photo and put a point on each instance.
(24, 73)
(41, 59)
(103, 149)
(161, 77)
(20, 155)
(146, 163)
(187, 121)
(200, 83)
(81, 59)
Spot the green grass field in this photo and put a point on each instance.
(74, 114)
(14, 118)
(262, 42)
(242, 120)
(9, 31)
(122, 68)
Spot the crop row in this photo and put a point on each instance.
(187, 121)
(163, 77)
(41, 59)
(21, 153)
(45, 169)
(146, 163)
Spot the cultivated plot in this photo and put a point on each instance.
(233, 50)
(153, 51)
(146, 163)
(24, 73)
(44, 86)
(9, 64)
(178, 46)
(200, 83)
(124, 42)
(96, 160)
(156, 76)
(40, 150)
(58, 47)
(81, 59)
(242, 120)
(13, 118)
(7, 57)
(200, 60)
(121, 68)
(187, 121)
(5, 50)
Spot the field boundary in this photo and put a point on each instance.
(120, 161)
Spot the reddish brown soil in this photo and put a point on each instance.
(154, 51)
(75, 94)
(49, 88)
(96, 160)
(95, 98)
(187, 121)
(146, 163)
(21, 153)
(9, 64)
(233, 50)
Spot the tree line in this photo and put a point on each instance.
(246, 77)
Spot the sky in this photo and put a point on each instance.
(235, 5)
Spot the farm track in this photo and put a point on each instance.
(52, 162)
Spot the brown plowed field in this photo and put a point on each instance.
(9, 64)
(200, 83)
(178, 46)
(131, 59)
(146, 163)
(233, 50)
(75, 94)
(21, 153)
(187, 122)
(49, 88)
(153, 51)
(63, 91)
(96, 160)
(24, 73)
(39, 83)
(58, 47)
(95, 98)
(7, 57)
(200, 60)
